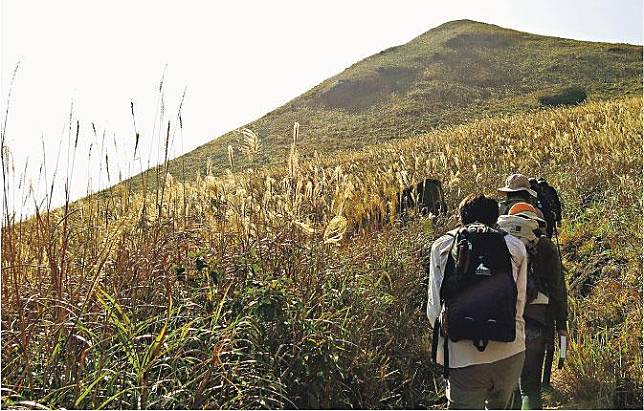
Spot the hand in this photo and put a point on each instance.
(562, 333)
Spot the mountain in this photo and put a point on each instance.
(456, 72)
(296, 285)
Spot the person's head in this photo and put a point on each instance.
(477, 207)
(518, 185)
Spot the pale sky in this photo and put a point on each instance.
(237, 59)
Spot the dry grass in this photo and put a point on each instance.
(287, 287)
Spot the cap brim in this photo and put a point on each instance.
(531, 217)
(515, 190)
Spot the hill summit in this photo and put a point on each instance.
(456, 72)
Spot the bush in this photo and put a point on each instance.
(569, 96)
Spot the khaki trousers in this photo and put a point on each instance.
(484, 385)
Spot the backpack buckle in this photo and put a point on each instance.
(481, 344)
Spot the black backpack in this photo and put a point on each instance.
(548, 202)
(430, 198)
(478, 292)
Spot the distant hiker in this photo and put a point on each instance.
(427, 196)
(476, 297)
(517, 189)
(546, 308)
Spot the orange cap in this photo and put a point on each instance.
(521, 207)
(526, 210)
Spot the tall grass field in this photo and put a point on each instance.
(294, 286)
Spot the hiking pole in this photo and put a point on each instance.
(547, 371)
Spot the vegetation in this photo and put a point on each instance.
(569, 96)
(293, 286)
(450, 75)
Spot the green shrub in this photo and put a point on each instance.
(568, 96)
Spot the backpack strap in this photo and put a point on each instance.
(441, 292)
(437, 324)
(435, 335)
(445, 358)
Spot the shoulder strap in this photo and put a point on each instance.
(445, 358)
(449, 256)
(435, 334)
(437, 326)
(435, 337)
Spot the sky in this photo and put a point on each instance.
(235, 60)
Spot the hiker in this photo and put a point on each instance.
(517, 190)
(546, 301)
(477, 275)
(427, 196)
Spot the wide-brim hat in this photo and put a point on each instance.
(516, 183)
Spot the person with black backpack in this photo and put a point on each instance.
(546, 307)
(476, 297)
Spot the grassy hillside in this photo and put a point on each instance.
(255, 289)
(452, 74)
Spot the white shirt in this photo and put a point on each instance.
(464, 353)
